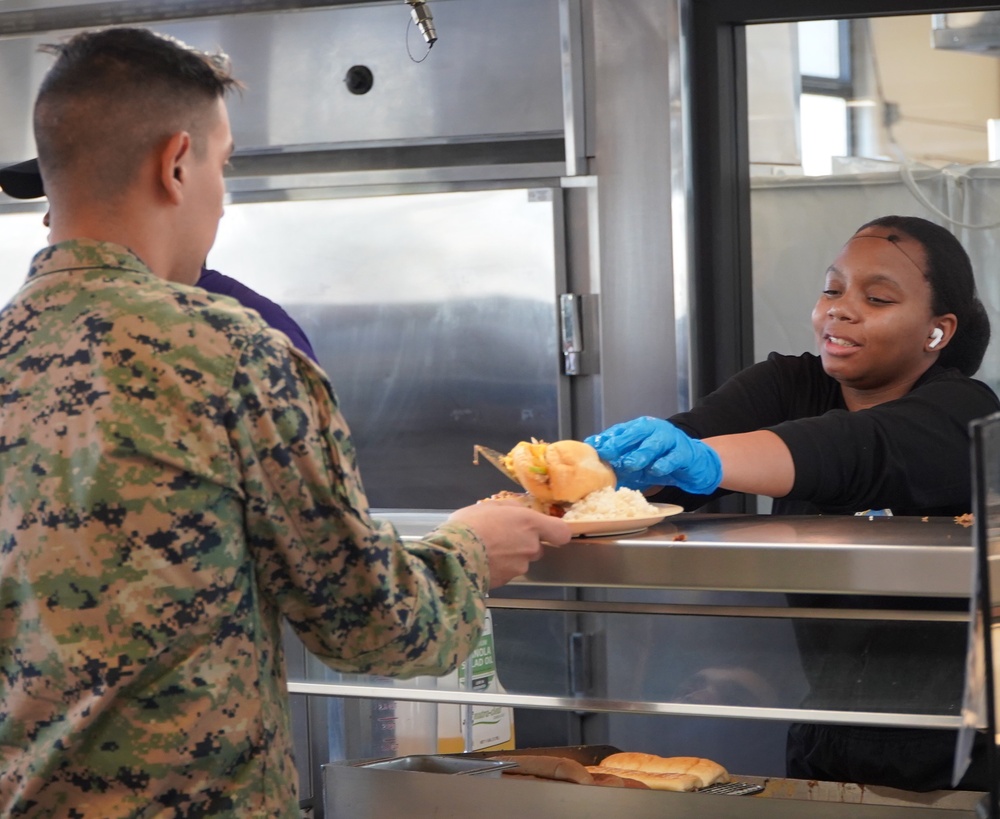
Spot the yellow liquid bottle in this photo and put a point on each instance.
(492, 726)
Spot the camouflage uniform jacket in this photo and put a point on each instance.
(174, 479)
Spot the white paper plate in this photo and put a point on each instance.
(622, 526)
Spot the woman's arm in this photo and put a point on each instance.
(755, 462)
(647, 453)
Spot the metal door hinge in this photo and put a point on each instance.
(578, 329)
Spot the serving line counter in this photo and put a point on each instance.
(699, 610)
(829, 554)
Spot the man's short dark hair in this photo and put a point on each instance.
(112, 95)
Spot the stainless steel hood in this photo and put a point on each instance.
(489, 78)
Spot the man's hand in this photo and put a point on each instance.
(513, 536)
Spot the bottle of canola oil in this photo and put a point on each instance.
(492, 727)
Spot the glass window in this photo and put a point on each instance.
(824, 132)
(23, 237)
(819, 48)
(800, 81)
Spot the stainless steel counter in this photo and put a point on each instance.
(903, 556)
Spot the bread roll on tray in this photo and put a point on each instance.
(622, 770)
(705, 771)
(654, 781)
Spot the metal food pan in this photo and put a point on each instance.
(441, 764)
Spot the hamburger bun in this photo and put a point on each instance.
(560, 472)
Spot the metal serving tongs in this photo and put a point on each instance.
(495, 458)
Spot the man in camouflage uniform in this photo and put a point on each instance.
(175, 477)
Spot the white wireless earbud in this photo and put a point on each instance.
(936, 335)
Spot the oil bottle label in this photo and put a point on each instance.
(483, 665)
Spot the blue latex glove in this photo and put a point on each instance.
(652, 452)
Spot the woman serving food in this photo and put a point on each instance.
(876, 421)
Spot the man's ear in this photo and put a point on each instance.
(173, 165)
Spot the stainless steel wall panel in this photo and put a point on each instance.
(488, 74)
(681, 192)
(632, 49)
(571, 42)
(21, 71)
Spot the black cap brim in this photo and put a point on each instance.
(22, 181)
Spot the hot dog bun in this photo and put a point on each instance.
(560, 472)
(654, 781)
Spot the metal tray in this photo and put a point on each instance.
(584, 754)
(441, 764)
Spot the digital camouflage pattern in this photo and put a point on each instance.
(174, 478)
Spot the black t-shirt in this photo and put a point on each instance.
(911, 456)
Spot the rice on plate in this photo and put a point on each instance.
(612, 504)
